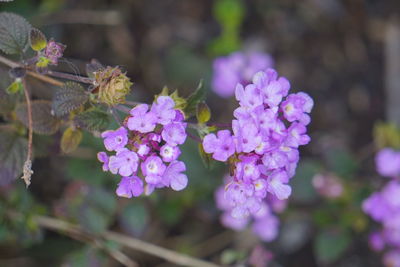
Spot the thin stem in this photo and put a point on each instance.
(68, 76)
(27, 171)
(133, 243)
(132, 103)
(195, 138)
(220, 124)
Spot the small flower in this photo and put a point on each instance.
(113, 85)
(169, 153)
(388, 162)
(174, 177)
(222, 146)
(164, 110)
(296, 106)
(153, 168)
(125, 163)
(54, 51)
(130, 186)
(115, 140)
(174, 133)
(102, 157)
(141, 120)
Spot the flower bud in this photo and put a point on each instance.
(113, 85)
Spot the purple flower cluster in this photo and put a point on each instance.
(235, 68)
(54, 51)
(268, 128)
(147, 146)
(384, 207)
(264, 223)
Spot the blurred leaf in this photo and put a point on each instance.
(13, 151)
(43, 121)
(14, 32)
(93, 219)
(386, 135)
(134, 218)
(7, 101)
(206, 158)
(15, 87)
(92, 120)
(37, 40)
(69, 97)
(86, 257)
(330, 245)
(303, 190)
(342, 163)
(194, 99)
(70, 140)
(203, 112)
(102, 199)
(229, 13)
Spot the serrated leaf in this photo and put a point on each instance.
(37, 40)
(69, 97)
(13, 151)
(14, 32)
(203, 112)
(70, 140)
(194, 99)
(329, 245)
(92, 120)
(43, 121)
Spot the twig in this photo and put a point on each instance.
(133, 243)
(27, 170)
(78, 233)
(71, 77)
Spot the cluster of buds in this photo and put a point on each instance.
(147, 149)
(112, 85)
(384, 207)
(262, 152)
(48, 52)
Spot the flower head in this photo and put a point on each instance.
(113, 85)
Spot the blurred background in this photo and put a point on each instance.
(344, 53)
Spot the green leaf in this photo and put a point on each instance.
(194, 99)
(203, 112)
(93, 219)
(13, 151)
(43, 121)
(206, 158)
(14, 32)
(69, 97)
(329, 245)
(15, 87)
(134, 218)
(70, 140)
(92, 120)
(386, 135)
(37, 40)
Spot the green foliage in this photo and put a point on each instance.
(86, 257)
(342, 163)
(92, 120)
(15, 87)
(134, 218)
(13, 149)
(303, 190)
(97, 210)
(70, 140)
(37, 40)
(203, 112)
(330, 245)
(14, 32)
(229, 14)
(194, 99)
(386, 135)
(69, 97)
(43, 121)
